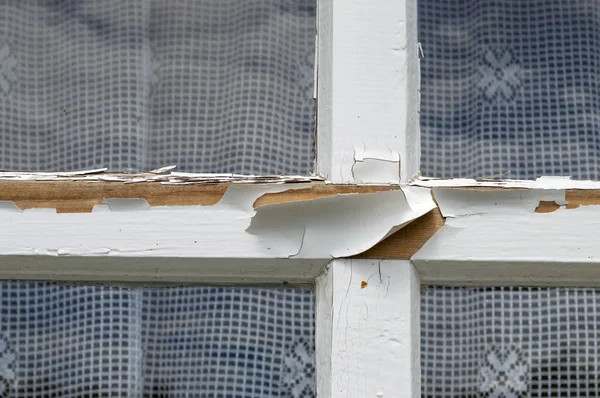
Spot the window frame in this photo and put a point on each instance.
(146, 228)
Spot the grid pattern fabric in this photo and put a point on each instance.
(510, 88)
(213, 86)
(510, 342)
(90, 341)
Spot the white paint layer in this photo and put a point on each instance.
(368, 88)
(376, 167)
(164, 175)
(368, 330)
(549, 182)
(161, 269)
(458, 202)
(126, 232)
(324, 331)
(497, 238)
(339, 226)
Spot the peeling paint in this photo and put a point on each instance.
(545, 182)
(291, 241)
(459, 202)
(339, 226)
(376, 166)
(164, 175)
(6, 205)
(511, 236)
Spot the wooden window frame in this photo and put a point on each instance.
(367, 232)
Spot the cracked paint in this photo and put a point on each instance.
(163, 175)
(288, 241)
(533, 236)
(338, 226)
(544, 182)
(375, 166)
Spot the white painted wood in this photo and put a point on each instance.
(368, 330)
(368, 91)
(547, 182)
(228, 241)
(161, 269)
(514, 246)
(324, 330)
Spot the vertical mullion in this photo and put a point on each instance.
(367, 329)
(368, 91)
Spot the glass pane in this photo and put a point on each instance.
(510, 342)
(510, 88)
(212, 86)
(76, 341)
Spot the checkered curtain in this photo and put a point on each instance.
(510, 342)
(214, 86)
(98, 341)
(509, 88)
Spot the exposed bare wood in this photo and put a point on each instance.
(546, 206)
(80, 197)
(319, 191)
(76, 196)
(577, 198)
(406, 242)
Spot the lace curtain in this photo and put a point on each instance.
(510, 342)
(509, 88)
(213, 86)
(91, 341)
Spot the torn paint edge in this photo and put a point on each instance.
(338, 226)
(500, 238)
(455, 203)
(546, 182)
(375, 166)
(163, 175)
(323, 228)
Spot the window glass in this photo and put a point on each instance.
(510, 88)
(213, 86)
(510, 342)
(89, 341)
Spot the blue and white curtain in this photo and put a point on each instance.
(61, 340)
(509, 88)
(510, 342)
(212, 86)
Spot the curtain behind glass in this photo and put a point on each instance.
(211, 86)
(91, 341)
(510, 342)
(510, 88)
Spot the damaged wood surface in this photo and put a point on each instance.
(82, 196)
(319, 191)
(406, 242)
(574, 199)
